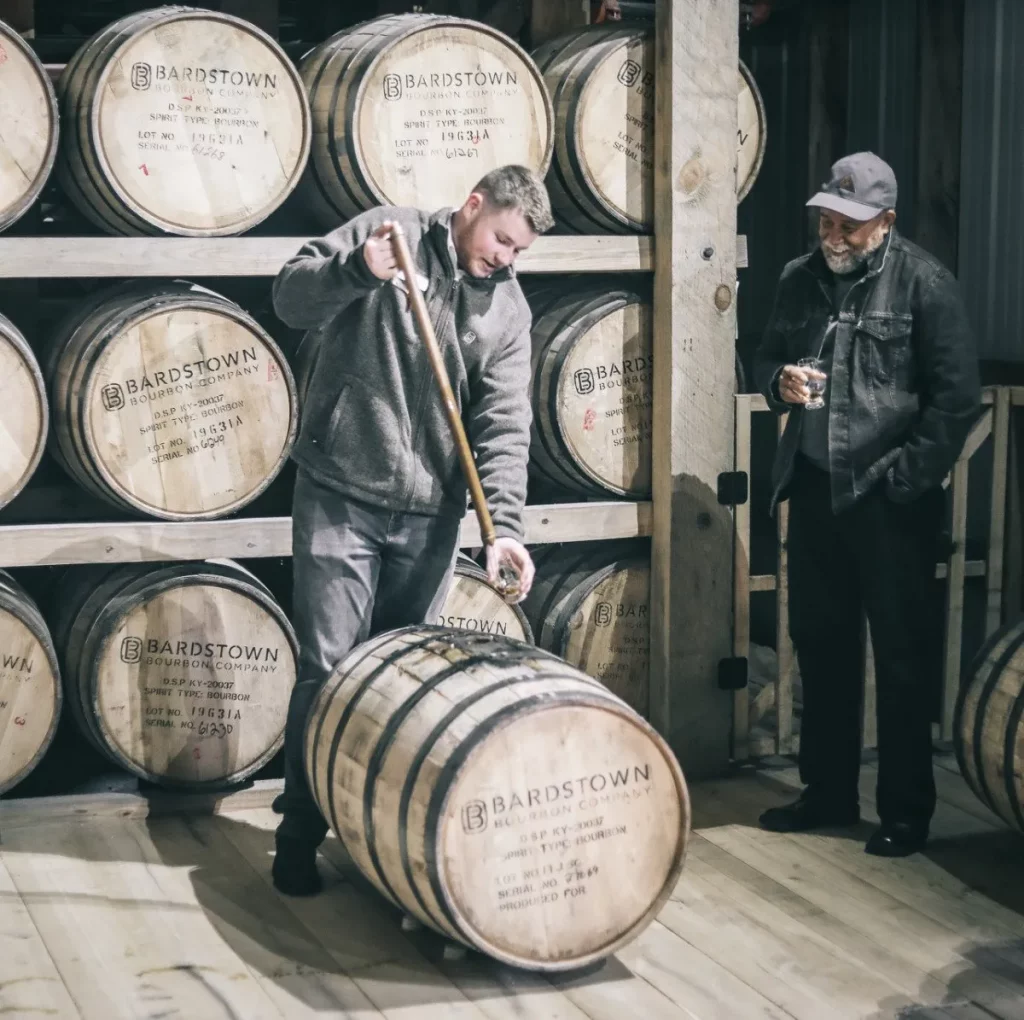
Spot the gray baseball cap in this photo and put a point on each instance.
(861, 187)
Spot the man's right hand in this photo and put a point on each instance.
(793, 383)
(379, 254)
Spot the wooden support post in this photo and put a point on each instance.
(997, 510)
(549, 18)
(784, 741)
(741, 720)
(697, 52)
(954, 598)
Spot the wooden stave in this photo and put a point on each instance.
(95, 599)
(989, 710)
(566, 576)
(15, 212)
(561, 317)
(85, 66)
(468, 568)
(762, 129)
(17, 602)
(560, 60)
(13, 336)
(573, 56)
(80, 339)
(95, 194)
(334, 710)
(347, 59)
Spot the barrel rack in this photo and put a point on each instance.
(693, 259)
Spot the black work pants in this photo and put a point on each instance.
(877, 557)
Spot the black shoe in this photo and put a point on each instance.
(294, 870)
(896, 839)
(808, 813)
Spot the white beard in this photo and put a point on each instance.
(845, 260)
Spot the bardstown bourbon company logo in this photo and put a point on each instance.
(615, 784)
(143, 75)
(396, 85)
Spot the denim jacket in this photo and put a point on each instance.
(904, 386)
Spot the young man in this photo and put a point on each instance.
(380, 493)
(863, 476)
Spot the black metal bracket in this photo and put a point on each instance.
(732, 673)
(732, 488)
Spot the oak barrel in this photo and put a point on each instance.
(601, 80)
(988, 727)
(590, 605)
(474, 604)
(592, 386)
(413, 109)
(31, 126)
(180, 673)
(30, 687)
(498, 795)
(167, 399)
(24, 410)
(183, 121)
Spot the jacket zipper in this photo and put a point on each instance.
(428, 381)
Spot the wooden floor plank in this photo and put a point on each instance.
(672, 981)
(176, 917)
(786, 961)
(905, 932)
(355, 927)
(30, 981)
(125, 948)
(293, 969)
(926, 883)
(746, 884)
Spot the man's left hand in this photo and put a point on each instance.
(508, 550)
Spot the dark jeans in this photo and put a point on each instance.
(358, 571)
(876, 557)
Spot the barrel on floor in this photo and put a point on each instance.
(498, 795)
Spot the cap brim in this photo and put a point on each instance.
(843, 206)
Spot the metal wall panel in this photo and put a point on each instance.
(992, 176)
(883, 93)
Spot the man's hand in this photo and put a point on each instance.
(508, 550)
(379, 254)
(793, 383)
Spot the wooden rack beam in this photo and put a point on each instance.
(56, 257)
(34, 545)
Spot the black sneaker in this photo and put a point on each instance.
(807, 813)
(294, 870)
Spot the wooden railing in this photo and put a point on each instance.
(752, 704)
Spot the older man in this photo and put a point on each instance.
(380, 494)
(863, 475)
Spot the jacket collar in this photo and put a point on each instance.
(440, 226)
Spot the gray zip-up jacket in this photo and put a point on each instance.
(373, 422)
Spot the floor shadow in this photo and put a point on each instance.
(986, 988)
(991, 863)
(737, 801)
(343, 948)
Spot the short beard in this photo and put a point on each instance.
(849, 261)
